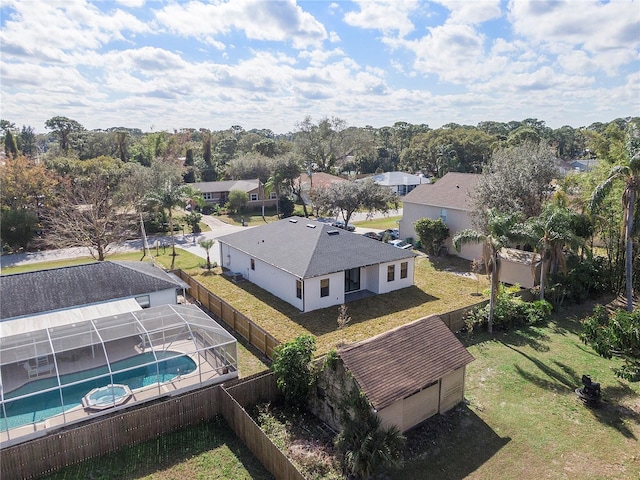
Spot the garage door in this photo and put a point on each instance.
(420, 406)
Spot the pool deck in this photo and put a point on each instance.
(205, 373)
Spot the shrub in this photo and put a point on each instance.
(432, 234)
(292, 367)
(615, 334)
(510, 311)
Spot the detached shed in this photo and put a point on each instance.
(519, 267)
(410, 373)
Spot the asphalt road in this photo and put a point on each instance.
(188, 242)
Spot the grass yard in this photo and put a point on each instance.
(438, 288)
(523, 419)
(379, 223)
(208, 451)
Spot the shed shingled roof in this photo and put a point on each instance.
(59, 288)
(307, 249)
(397, 363)
(451, 191)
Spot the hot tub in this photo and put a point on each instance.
(106, 397)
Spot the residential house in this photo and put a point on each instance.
(218, 192)
(410, 373)
(448, 199)
(400, 183)
(312, 265)
(314, 181)
(61, 296)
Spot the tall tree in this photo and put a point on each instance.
(629, 173)
(167, 197)
(322, 144)
(64, 128)
(345, 198)
(499, 230)
(550, 233)
(10, 144)
(516, 179)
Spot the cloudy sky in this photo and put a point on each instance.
(171, 64)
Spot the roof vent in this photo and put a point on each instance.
(311, 225)
(333, 232)
(293, 220)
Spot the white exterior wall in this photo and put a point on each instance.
(517, 273)
(369, 278)
(312, 298)
(457, 220)
(272, 279)
(385, 286)
(163, 297)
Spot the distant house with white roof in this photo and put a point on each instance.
(400, 182)
(312, 265)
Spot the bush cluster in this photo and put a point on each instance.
(510, 311)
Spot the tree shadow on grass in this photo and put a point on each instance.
(562, 378)
(435, 448)
(170, 450)
(535, 338)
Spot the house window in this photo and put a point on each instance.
(254, 197)
(253, 264)
(299, 288)
(273, 195)
(144, 301)
(391, 273)
(207, 196)
(324, 287)
(404, 269)
(443, 214)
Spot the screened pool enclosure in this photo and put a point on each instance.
(53, 376)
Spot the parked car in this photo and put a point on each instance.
(373, 235)
(392, 233)
(400, 244)
(340, 224)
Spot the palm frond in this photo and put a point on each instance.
(467, 236)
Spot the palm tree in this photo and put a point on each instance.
(207, 244)
(167, 197)
(550, 232)
(630, 174)
(273, 182)
(500, 230)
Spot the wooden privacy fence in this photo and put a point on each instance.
(74, 444)
(262, 388)
(243, 325)
(455, 319)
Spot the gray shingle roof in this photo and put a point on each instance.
(59, 288)
(306, 252)
(397, 363)
(451, 191)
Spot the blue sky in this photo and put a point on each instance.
(166, 65)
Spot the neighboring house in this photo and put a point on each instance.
(400, 182)
(410, 373)
(448, 199)
(312, 265)
(314, 181)
(218, 192)
(516, 267)
(60, 296)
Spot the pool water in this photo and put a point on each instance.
(41, 406)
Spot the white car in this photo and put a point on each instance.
(400, 244)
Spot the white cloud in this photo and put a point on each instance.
(387, 16)
(608, 32)
(131, 3)
(273, 21)
(471, 12)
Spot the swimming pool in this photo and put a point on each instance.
(135, 372)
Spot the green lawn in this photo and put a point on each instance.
(379, 223)
(438, 288)
(208, 451)
(523, 419)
